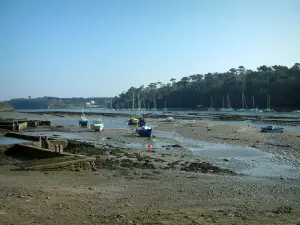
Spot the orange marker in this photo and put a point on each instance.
(149, 147)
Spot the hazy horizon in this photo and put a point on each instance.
(101, 48)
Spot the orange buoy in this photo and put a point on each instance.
(149, 147)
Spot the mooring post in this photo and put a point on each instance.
(61, 148)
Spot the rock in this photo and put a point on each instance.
(282, 210)
(94, 168)
(226, 160)
(129, 222)
(48, 198)
(176, 146)
(160, 212)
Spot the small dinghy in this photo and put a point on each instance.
(271, 129)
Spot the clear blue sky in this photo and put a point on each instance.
(100, 48)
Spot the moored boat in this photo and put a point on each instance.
(83, 122)
(169, 119)
(132, 121)
(143, 129)
(97, 125)
(271, 129)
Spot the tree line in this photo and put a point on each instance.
(280, 83)
(54, 102)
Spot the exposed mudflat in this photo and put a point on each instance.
(195, 175)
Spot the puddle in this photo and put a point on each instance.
(9, 140)
(228, 152)
(52, 134)
(244, 160)
(272, 169)
(156, 145)
(109, 122)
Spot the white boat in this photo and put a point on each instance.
(244, 103)
(268, 109)
(229, 108)
(169, 119)
(97, 125)
(253, 107)
(211, 105)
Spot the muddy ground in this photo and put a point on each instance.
(150, 188)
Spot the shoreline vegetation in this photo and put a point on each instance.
(137, 186)
(268, 87)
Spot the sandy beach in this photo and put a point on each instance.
(171, 185)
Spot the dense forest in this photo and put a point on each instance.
(54, 102)
(280, 83)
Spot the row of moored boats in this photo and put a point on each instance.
(142, 127)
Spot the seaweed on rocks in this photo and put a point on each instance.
(204, 167)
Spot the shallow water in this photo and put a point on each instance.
(171, 112)
(56, 134)
(251, 124)
(10, 140)
(109, 122)
(241, 159)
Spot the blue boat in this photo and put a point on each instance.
(143, 129)
(271, 129)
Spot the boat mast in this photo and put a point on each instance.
(223, 103)
(228, 102)
(133, 101)
(243, 101)
(268, 101)
(139, 102)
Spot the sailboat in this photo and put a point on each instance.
(83, 122)
(165, 109)
(211, 105)
(134, 119)
(268, 109)
(244, 103)
(111, 107)
(229, 108)
(254, 109)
